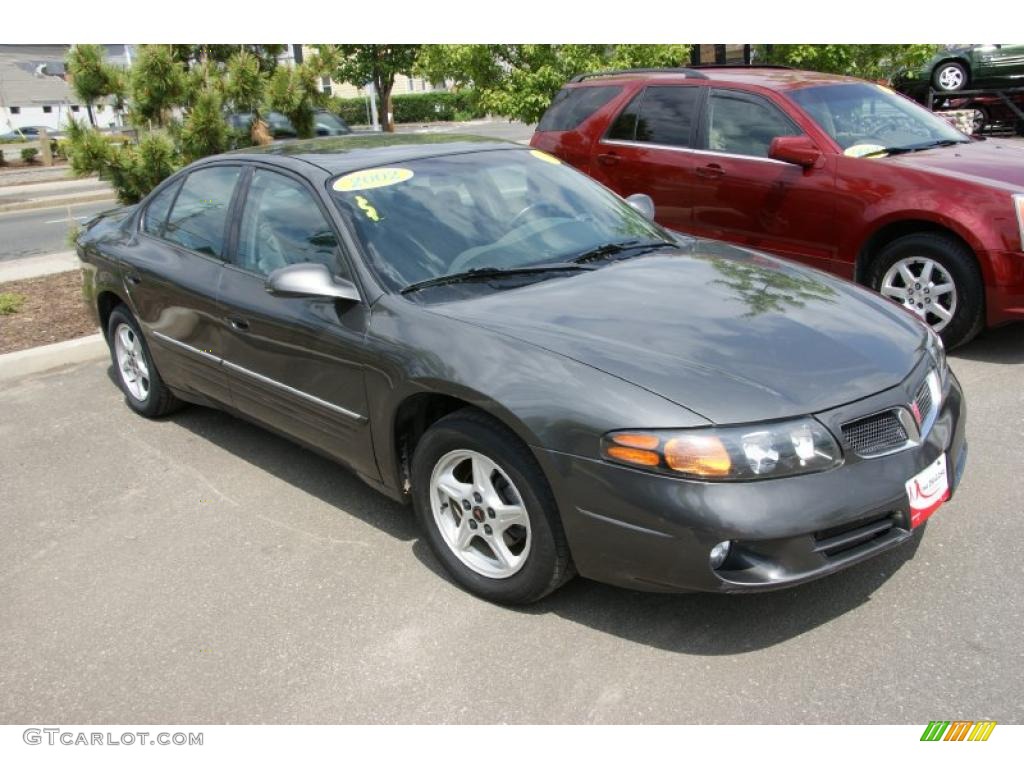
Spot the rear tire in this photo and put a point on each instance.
(487, 510)
(952, 263)
(144, 390)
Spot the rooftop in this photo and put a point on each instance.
(341, 154)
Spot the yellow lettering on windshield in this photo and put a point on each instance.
(365, 207)
(371, 178)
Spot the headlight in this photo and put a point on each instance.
(937, 350)
(1018, 206)
(752, 452)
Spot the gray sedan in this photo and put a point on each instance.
(556, 384)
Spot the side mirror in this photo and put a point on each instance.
(643, 204)
(310, 280)
(798, 150)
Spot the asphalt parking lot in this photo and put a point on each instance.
(200, 570)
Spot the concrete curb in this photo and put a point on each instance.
(38, 266)
(58, 202)
(25, 362)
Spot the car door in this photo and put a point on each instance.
(647, 149)
(294, 363)
(1005, 64)
(173, 277)
(746, 197)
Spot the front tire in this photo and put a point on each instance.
(144, 390)
(487, 511)
(937, 278)
(950, 76)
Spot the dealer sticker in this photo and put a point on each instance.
(927, 490)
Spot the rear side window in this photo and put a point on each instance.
(156, 212)
(659, 115)
(742, 124)
(199, 217)
(571, 106)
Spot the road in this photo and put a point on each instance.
(200, 570)
(43, 230)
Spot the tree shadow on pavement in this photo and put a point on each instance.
(1004, 346)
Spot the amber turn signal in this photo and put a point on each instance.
(701, 455)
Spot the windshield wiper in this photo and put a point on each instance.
(612, 249)
(915, 147)
(488, 273)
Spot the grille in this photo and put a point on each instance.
(876, 434)
(835, 541)
(924, 400)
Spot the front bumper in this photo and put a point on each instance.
(652, 532)
(1004, 291)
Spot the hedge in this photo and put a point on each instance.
(415, 107)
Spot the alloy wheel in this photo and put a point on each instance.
(951, 78)
(131, 362)
(924, 287)
(480, 514)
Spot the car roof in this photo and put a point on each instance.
(774, 78)
(354, 151)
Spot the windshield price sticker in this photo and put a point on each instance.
(859, 150)
(371, 178)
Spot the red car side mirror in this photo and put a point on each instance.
(798, 150)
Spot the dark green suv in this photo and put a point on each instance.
(958, 68)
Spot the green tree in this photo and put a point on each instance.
(245, 83)
(157, 83)
(91, 76)
(218, 53)
(205, 131)
(295, 92)
(362, 64)
(871, 62)
(132, 170)
(519, 81)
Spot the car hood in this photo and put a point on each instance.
(989, 160)
(730, 334)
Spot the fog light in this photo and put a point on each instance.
(718, 554)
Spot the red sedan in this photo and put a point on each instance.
(831, 171)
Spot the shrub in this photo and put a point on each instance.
(28, 154)
(205, 132)
(10, 303)
(414, 107)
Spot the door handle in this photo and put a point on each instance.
(238, 323)
(608, 158)
(133, 279)
(710, 171)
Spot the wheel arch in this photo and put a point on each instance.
(417, 411)
(887, 232)
(106, 302)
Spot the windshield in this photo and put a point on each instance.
(865, 118)
(491, 210)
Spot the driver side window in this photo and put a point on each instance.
(739, 124)
(282, 224)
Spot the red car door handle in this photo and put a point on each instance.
(609, 158)
(710, 171)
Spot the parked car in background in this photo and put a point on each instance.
(990, 111)
(31, 133)
(324, 124)
(556, 383)
(831, 171)
(963, 67)
(279, 125)
(329, 124)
